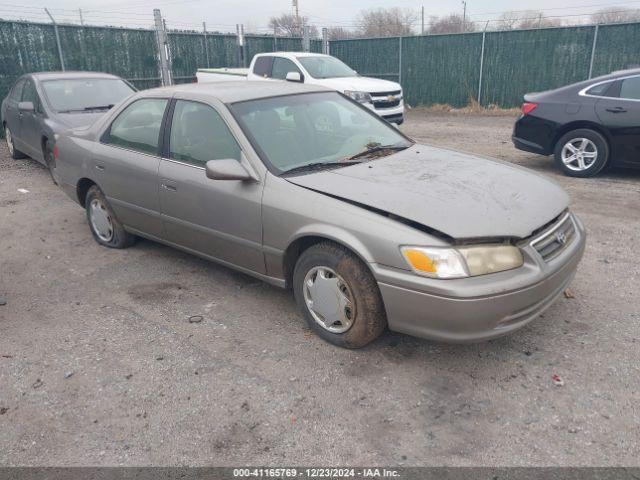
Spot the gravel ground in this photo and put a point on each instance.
(99, 364)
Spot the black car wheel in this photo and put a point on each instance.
(338, 296)
(105, 226)
(15, 154)
(582, 153)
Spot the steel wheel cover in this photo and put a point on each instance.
(579, 154)
(100, 220)
(329, 299)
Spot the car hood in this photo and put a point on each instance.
(457, 194)
(359, 84)
(78, 119)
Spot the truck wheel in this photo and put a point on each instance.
(338, 296)
(105, 226)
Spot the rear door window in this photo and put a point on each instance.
(602, 90)
(630, 88)
(16, 93)
(282, 66)
(262, 66)
(138, 126)
(199, 134)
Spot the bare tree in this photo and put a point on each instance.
(341, 33)
(450, 24)
(616, 15)
(509, 20)
(386, 22)
(536, 19)
(287, 25)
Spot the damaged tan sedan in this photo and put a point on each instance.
(304, 188)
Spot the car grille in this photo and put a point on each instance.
(386, 99)
(557, 238)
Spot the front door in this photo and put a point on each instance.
(126, 163)
(621, 115)
(30, 128)
(218, 218)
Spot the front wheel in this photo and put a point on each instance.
(15, 153)
(338, 296)
(582, 153)
(105, 227)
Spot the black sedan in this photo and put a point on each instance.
(586, 126)
(41, 105)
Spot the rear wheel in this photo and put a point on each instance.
(582, 153)
(15, 154)
(105, 226)
(338, 296)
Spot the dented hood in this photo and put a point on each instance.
(460, 195)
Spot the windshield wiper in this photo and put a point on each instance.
(100, 107)
(378, 148)
(319, 166)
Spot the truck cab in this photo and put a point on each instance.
(381, 96)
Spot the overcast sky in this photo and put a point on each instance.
(255, 14)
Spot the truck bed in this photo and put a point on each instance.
(207, 75)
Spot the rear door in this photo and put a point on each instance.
(30, 122)
(126, 163)
(11, 112)
(620, 113)
(219, 218)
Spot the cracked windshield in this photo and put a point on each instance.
(318, 130)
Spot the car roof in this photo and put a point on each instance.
(69, 75)
(292, 54)
(238, 91)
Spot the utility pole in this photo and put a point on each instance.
(162, 45)
(422, 20)
(81, 19)
(206, 46)
(296, 10)
(55, 30)
(306, 38)
(464, 16)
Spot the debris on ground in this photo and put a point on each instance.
(557, 380)
(196, 319)
(2, 301)
(3, 410)
(568, 293)
(129, 376)
(37, 384)
(23, 190)
(68, 375)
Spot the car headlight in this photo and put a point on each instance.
(362, 97)
(436, 262)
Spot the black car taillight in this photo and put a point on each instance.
(528, 107)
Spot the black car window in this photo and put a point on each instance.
(198, 134)
(630, 88)
(16, 93)
(29, 94)
(138, 126)
(262, 66)
(600, 90)
(282, 66)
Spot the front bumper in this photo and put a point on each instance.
(478, 308)
(391, 115)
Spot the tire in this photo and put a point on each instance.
(338, 268)
(15, 153)
(105, 226)
(582, 145)
(47, 153)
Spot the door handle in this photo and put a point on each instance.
(171, 188)
(617, 110)
(100, 168)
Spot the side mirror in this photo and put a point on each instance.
(227, 169)
(294, 77)
(26, 107)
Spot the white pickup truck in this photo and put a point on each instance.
(381, 96)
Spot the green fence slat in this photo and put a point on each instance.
(617, 47)
(371, 57)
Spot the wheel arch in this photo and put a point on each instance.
(306, 240)
(82, 187)
(582, 124)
